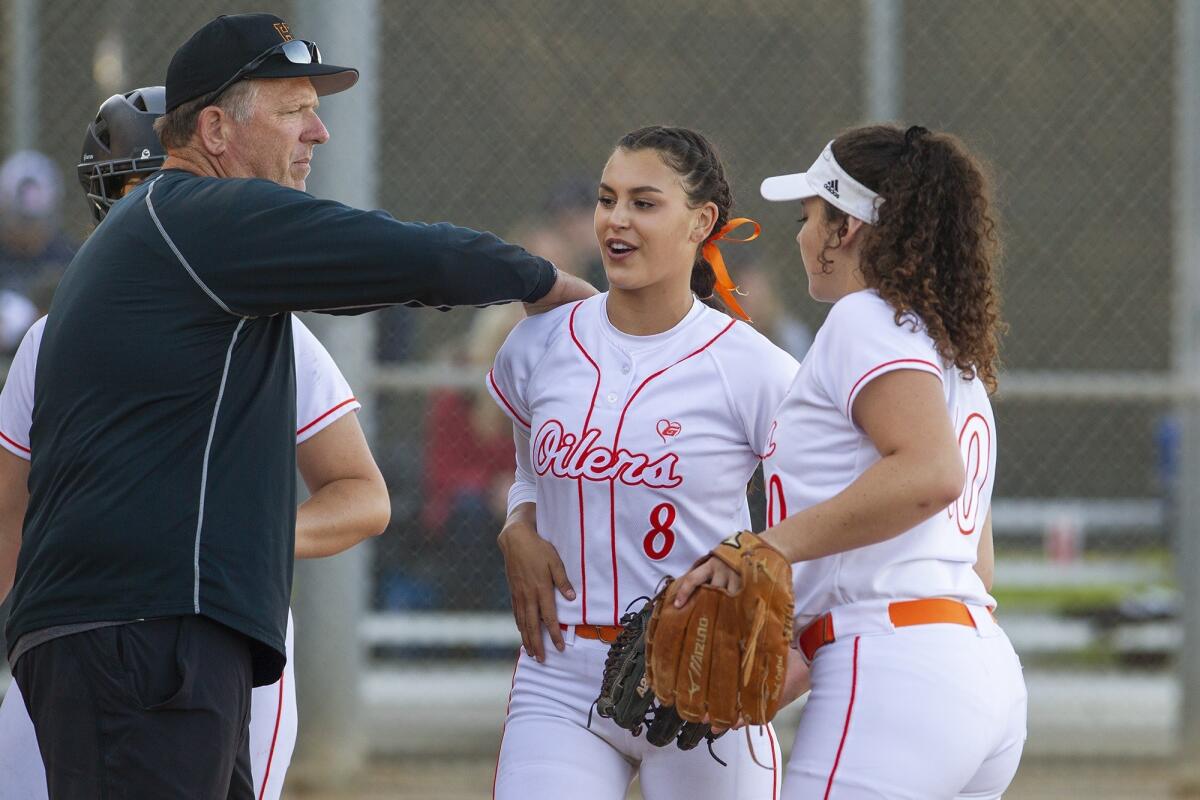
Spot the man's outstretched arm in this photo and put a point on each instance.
(14, 498)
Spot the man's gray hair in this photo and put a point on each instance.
(176, 128)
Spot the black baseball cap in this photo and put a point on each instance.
(237, 46)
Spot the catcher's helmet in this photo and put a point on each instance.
(120, 143)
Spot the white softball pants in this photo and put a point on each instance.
(928, 712)
(548, 751)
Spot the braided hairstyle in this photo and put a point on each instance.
(934, 250)
(699, 167)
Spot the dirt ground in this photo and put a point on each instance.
(1037, 780)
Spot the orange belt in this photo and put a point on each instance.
(903, 613)
(605, 633)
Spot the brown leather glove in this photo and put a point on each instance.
(725, 655)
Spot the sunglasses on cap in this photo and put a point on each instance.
(297, 51)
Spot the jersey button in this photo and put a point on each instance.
(612, 398)
(625, 370)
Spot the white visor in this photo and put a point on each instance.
(826, 179)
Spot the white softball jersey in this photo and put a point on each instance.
(817, 451)
(637, 448)
(322, 397)
(637, 451)
(914, 712)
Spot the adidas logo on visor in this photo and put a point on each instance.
(831, 187)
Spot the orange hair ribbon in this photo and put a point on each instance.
(724, 286)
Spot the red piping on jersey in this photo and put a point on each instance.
(327, 413)
(616, 445)
(873, 370)
(586, 421)
(582, 555)
(846, 728)
(984, 461)
(612, 528)
(503, 725)
(503, 399)
(571, 326)
(22, 448)
(703, 347)
(274, 738)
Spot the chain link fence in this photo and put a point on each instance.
(501, 116)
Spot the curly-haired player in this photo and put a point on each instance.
(880, 479)
(639, 417)
(349, 500)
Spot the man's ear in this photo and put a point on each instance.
(212, 128)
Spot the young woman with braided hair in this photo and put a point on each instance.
(880, 481)
(639, 416)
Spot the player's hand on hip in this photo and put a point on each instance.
(534, 572)
(566, 289)
(711, 572)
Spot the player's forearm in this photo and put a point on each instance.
(341, 514)
(798, 680)
(14, 498)
(10, 546)
(895, 494)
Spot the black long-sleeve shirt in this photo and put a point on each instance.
(163, 437)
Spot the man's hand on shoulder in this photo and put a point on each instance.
(566, 289)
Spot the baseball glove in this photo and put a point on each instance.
(723, 657)
(625, 695)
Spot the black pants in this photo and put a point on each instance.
(156, 709)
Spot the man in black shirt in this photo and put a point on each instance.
(156, 560)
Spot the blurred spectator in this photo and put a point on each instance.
(469, 445)
(569, 212)
(33, 248)
(467, 467)
(17, 313)
(769, 309)
(466, 464)
(394, 341)
(551, 242)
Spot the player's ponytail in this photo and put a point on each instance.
(702, 174)
(934, 249)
